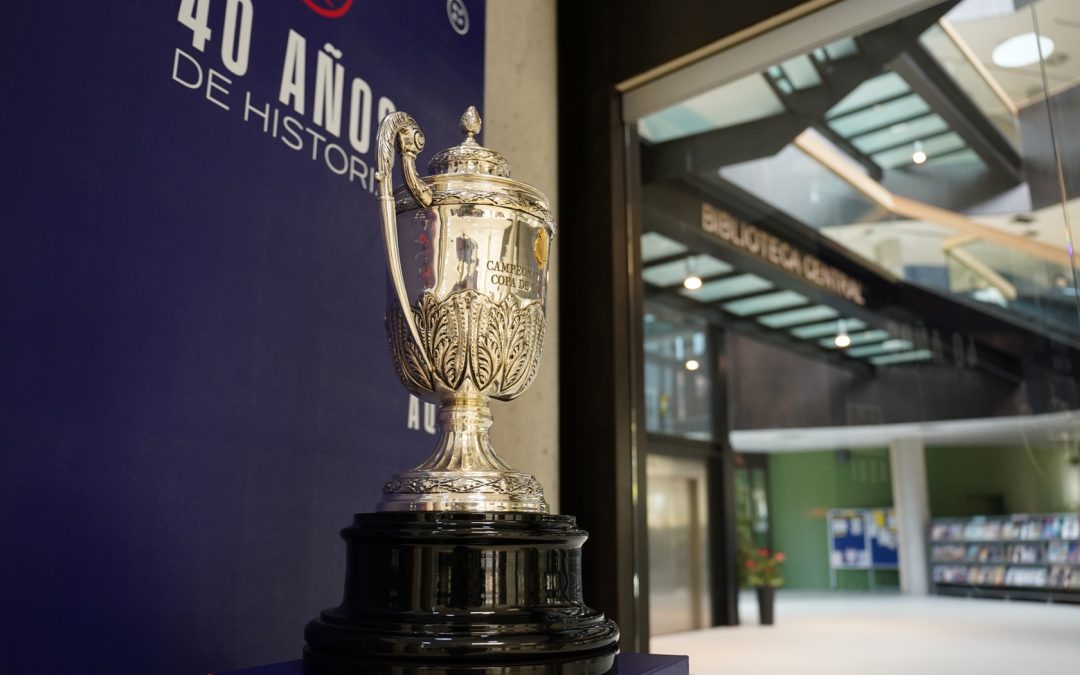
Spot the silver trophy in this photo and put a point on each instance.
(463, 570)
(467, 251)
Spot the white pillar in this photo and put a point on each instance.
(520, 121)
(907, 459)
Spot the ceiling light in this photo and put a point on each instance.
(1022, 50)
(919, 156)
(692, 282)
(842, 339)
(692, 364)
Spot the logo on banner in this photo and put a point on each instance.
(331, 9)
(458, 15)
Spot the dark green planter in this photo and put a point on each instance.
(766, 599)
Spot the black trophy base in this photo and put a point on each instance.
(461, 594)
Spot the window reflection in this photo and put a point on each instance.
(677, 375)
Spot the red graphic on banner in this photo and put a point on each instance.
(331, 9)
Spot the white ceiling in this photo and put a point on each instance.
(983, 26)
(741, 101)
(1046, 225)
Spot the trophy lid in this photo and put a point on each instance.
(470, 157)
(467, 174)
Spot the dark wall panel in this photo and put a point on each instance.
(648, 34)
(772, 387)
(1059, 111)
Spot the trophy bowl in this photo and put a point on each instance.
(467, 251)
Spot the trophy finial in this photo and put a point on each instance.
(470, 157)
(470, 124)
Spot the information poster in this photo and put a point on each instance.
(884, 542)
(862, 538)
(848, 545)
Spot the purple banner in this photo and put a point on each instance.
(197, 392)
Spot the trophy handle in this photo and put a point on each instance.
(401, 130)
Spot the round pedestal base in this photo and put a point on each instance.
(461, 593)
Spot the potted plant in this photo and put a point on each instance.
(763, 574)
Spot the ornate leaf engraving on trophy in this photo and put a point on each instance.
(506, 485)
(504, 344)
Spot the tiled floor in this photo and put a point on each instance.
(862, 634)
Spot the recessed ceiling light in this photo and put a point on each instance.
(692, 364)
(1022, 50)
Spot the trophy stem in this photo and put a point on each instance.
(464, 444)
(464, 473)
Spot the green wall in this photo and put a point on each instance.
(982, 481)
(802, 487)
(961, 482)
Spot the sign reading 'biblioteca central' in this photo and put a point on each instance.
(780, 253)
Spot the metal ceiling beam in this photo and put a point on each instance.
(883, 127)
(838, 79)
(670, 258)
(707, 152)
(720, 302)
(930, 81)
(872, 168)
(911, 143)
(870, 105)
(652, 290)
(713, 149)
(939, 155)
(776, 338)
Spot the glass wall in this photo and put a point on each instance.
(678, 380)
(858, 264)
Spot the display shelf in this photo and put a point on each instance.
(1022, 556)
(1000, 541)
(1012, 528)
(999, 564)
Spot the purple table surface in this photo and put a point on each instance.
(625, 664)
